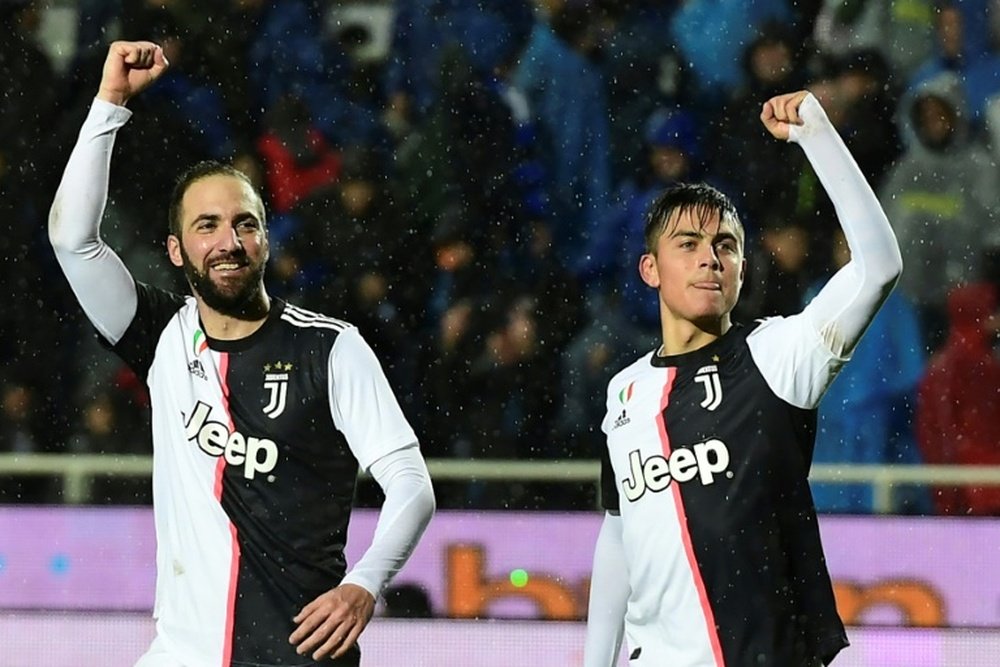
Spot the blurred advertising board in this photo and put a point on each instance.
(887, 571)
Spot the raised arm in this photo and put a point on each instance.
(102, 284)
(801, 355)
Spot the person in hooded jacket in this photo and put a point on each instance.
(942, 198)
(959, 400)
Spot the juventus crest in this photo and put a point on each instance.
(276, 383)
(708, 377)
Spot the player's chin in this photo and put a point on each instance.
(709, 311)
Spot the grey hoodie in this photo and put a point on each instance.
(942, 204)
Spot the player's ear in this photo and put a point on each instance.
(174, 250)
(648, 271)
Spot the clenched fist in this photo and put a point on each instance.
(130, 68)
(782, 111)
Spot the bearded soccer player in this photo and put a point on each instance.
(262, 413)
(709, 554)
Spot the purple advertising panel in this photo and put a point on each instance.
(117, 639)
(903, 571)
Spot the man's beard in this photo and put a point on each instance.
(242, 303)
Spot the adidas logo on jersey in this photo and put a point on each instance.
(620, 420)
(196, 369)
(256, 455)
(704, 460)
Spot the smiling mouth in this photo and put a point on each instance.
(228, 267)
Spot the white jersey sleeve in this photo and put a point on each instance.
(609, 593)
(405, 513)
(100, 281)
(799, 356)
(362, 403)
(366, 411)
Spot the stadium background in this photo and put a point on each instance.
(502, 587)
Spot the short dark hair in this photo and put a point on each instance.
(701, 198)
(196, 173)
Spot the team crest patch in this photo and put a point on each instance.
(276, 383)
(708, 377)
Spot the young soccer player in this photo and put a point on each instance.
(709, 554)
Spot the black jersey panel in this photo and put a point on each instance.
(609, 485)
(752, 525)
(154, 308)
(290, 500)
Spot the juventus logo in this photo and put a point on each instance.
(709, 377)
(277, 384)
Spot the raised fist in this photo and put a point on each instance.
(781, 111)
(129, 69)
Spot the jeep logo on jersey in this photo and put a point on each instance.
(215, 439)
(709, 377)
(704, 460)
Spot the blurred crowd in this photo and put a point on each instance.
(466, 181)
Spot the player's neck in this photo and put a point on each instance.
(683, 336)
(222, 326)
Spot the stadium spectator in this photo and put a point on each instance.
(902, 30)
(862, 100)
(964, 49)
(778, 268)
(288, 54)
(770, 63)
(490, 34)
(561, 76)
(20, 434)
(942, 199)
(298, 160)
(107, 426)
(644, 73)
(959, 399)
(712, 37)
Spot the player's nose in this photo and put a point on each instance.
(230, 239)
(709, 258)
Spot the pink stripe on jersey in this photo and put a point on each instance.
(234, 563)
(699, 583)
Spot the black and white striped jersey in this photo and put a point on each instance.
(257, 444)
(707, 465)
(705, 473)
